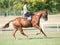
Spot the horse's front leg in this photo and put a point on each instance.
(38, 27)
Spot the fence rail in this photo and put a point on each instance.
(51, 26)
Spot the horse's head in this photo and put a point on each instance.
(44, 15)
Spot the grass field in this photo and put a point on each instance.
(53, 36)
(52, 39)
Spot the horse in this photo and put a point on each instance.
(20, 22)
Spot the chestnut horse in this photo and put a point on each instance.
(19, 23)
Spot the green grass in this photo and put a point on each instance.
(52, 39)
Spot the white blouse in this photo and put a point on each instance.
(25, 9)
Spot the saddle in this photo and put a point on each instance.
(28, 15)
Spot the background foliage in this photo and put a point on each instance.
(14, 7)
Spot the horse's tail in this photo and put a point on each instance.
(6, 25)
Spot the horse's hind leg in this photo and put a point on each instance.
(21, 31)
(14, 31)
(38, 27)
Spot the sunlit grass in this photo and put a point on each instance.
(52, 39)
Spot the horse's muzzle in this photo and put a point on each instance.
(46, 19)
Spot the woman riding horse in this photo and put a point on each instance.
(25, 13)
(20, 22)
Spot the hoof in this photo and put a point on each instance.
(37, 33)
(15, 39)
(26, 36)
(45, 36)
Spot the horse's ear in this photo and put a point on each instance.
(46, 11)
(46, 14)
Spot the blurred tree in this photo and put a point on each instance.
(33, 5)
(58, 5)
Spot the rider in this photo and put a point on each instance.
(25, 11)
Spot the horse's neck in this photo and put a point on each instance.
(38, 14)
(36, 18)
